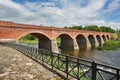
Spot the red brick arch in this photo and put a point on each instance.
(66, 34)
(91, 35)
(84, 35)
(32, 32)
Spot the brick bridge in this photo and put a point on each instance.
(70, 39)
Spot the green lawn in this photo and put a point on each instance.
(110, 45)
(29, 41)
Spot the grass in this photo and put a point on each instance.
(58, 41)
(110, 45)
(29, 41)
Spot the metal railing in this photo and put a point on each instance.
(78, 68)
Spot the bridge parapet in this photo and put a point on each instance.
(6, 23)
(17, 25)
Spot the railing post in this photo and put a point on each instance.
(67, 68)
(42, 56)
(58, 61)
(36, 53)
(94, 69)
(78, 68)
(52, 59)
(39, 53)
(117, 75)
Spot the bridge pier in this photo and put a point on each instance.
(96, 43)
(75, 44)
(88, 44)
(69, 44)
(49, 45)
(106, 38)
(54, 46)
(81, 41)
(84, 43)
(102, 41)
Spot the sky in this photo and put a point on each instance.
(60, 13)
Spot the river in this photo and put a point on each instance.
(105, 57)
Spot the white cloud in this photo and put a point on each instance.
(12, 11)
(13, 6)
(68, 13)
(115, 4)
(110, 24)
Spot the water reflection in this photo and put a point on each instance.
(83, 52)
(104, 57)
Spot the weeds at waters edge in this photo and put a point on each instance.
(110, 45)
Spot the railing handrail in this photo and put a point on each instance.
(70, 65)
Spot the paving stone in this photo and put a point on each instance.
(16, 66)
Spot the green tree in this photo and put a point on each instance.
(75, 27)
(92, 28)
(107, 29)
(29, 37)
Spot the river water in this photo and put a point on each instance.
(105, 57)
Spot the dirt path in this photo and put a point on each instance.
(16, 66)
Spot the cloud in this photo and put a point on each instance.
(12, 11)
(59, 13)
(114, 5)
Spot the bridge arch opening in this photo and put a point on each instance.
(92, 40)
(104, 38)
(81, 40)
(28, 39)
(99, 40)
(38, 39)
(64, 41)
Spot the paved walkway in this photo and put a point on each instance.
(16, 66)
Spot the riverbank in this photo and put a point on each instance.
(28, 41)
(110, 45)
(36, 41)
(16, 66)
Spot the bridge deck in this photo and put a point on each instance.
(16, 66)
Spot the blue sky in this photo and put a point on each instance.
(60, 13)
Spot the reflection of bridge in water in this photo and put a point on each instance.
(70, 39)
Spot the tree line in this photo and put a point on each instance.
(92, 28)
